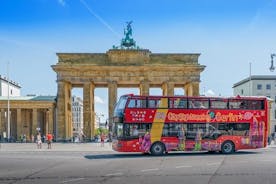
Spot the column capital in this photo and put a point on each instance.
(144, 81)
(112, 82)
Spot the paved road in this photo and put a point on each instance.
(90, 163)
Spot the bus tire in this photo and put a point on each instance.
(157, 148)
(227, 147)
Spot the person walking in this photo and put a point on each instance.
(38, 141)
(102, 139)
(32, 136)
(146, 143)
(49, 140)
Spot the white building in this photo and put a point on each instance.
(77, 114)
(259, 85)
(14, 87)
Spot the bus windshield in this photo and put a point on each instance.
(120, 106)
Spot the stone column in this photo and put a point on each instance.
(195, 89)
(46, 113)
(168, 89)
(34, 122)
(144, 87)
(186, 89)
(19, 123)
(63, 110)
(192, 89)
(88, 110)
(50, 120)
(2, 121)
(112, 98)
(68, 127)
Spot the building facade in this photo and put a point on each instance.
(13, 87)
(259, 85)
(28, 116)
(77, 115)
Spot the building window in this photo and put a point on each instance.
(268, 86)
(259, 86)
(242, 91)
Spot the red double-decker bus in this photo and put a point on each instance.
(161, 124)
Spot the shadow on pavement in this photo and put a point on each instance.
(173, 154)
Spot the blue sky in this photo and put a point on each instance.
(229, 34)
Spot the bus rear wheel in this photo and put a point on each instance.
(227, 147)
(157, 148)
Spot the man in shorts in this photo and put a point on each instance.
(49, 140)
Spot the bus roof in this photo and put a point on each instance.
(204, 97)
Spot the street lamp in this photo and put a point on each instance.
(9, 126)
(272, 68)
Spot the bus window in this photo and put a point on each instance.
(218, 104)
(118, 130)
(137, 103)
(153, 103)
(170, 130)
(180, 103)
(256, 104)
(120, 106)
(157, 102)
(240, 129)
(236, 104)
(136, 129)
(246, 104)
(198, 103)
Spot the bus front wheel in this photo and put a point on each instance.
(227, 147)
(157, 148)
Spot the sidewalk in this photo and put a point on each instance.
(55, 147)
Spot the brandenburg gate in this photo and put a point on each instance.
(121, 67)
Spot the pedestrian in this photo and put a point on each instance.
(146, 143)
(274, 137)
(269, 139)
(21, 138)
(110, 138)
(38, 141)
(49, 140)
(32, 138)
(102, 139)
(24, 138)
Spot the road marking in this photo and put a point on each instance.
(114, 174)
(72, 180)
(215, 163)
(266, 160)
(183, 166)
(146, 170)
(242, 162)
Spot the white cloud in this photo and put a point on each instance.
(62, 2)
(210, 93)
(98, 100)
